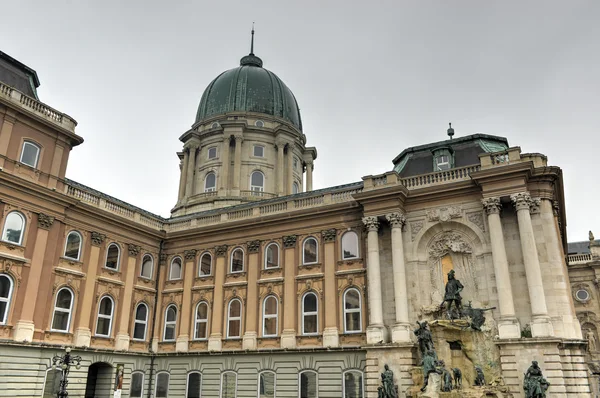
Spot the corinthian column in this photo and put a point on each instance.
(183, 178)
(290, 169)
(189, 186)
(401, 331)
(540, 325)
(309, 177)
(280, 168)
(508, 327)
(237, 162)
(224, 177)
(375, 330)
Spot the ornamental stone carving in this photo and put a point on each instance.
(449, 242)
(190, 254)
(396, 220)
(555, 208)
(371, 223)
(97, 238)
(253, 246)
(415, 228)
(134, 250)
(491, 205)
(329, 235)
(289, 241)
(162, 258)
(45, 221)
(523, 201)
(477, 219)
(221, 250)
(444, 214)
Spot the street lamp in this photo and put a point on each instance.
(65, 362)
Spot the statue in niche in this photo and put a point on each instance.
(476, 315)
(429, 367)
(424, 338)
(387, 388)
(534, 384)
(479, 377)
(591, 339)
(452, 295)
(446, 377)
(457, 378)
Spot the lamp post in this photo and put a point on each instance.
(65, 362)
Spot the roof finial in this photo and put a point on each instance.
(450, 131)
(252, 41)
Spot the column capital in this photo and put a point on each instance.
(134, 250)
(190, 254)
(221, 250)
(191, 147)
(238, 138)
(289, 241)
(253, 246)
(97, 238)
(491, 205)
(396, 220)
(329, 235)
(555, 208)
(371, 222)
(45, 221)
(524, 201)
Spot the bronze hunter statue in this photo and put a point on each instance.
(387, 388)
(452, 295)
(424, 338)
(534, 384)
(429, 366)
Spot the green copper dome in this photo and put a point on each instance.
(249, 88)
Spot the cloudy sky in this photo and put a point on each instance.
(371, 78)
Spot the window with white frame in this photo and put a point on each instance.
(272, 256)
(212, 153)
(352, 311)
(137, 385)
(175, 271)
(162, 385)
(442, 162)
(308, 381)
(310, 253)
(113, 255)
(73, 245)
(30, 154)
(258, 151)
(234, 319)
(266, 384)
(105, 316)
(140, 322)
(237, 260)
(228, 385)
(270, 316)
(6, 290)
(170, 323)
(210, 182)
(353, 384)
(205, 267)
(147, 267)
(194, 384)
(52, 383)
(295, 188)
(349, 245)
(14, 228)
(310, 314)
(63, 305)
(201, 326)
(257, 181)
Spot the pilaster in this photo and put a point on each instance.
(216, 326)
(331, 331)
(189, 186)
(288, 336)
(375, 330)
(250, 335)
(123, 333)
(309, 176)
(237, 165)
(224, 177)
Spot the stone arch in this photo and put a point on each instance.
(424, 238)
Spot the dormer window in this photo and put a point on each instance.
(212, 153)
(214, 125)
(30, 154)
(442, 162)
(443, 159)
(259, 151)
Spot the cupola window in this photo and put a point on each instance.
(212, 153)
(30, 154)
(442, 159)
(442, 162)
(259, 123)
(210, 182)
(259, 151)
(295, 188)
(214, 125)
(257, 182)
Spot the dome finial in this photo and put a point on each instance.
(450, 131)
(251, 59)
(252, 41)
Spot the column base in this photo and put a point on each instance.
(331, 338)
(401, 333)
(376, 334)
(24, 331)
(249, 341)
(288, 339)
(182, 343)
(214, 342)
(509, 328)
(541, 326)
(122, 342)
(154, 345)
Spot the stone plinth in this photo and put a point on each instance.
(401, 358)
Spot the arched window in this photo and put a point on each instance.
(228, 385)
(14, 228)
(270, 311)
(237, 260)
(147, 265)
(272, 256)
(105, 314)
(113, 255)
(266, 384)
(6, 289)
(137, 385)
(205, 267)
(201, 327)
(295, 188)
(194, 385)
(52, 383)
(141, 322)
(352, 311)
(210, 182)
(257, 181)
(73, 245)
(353, 384)
(349, 245)
(30, 154)
(310, 253)
(310, 314)
(175, 270)
(162, 385)
(63, 306)
(308, 381)
(234, 319)
(170, 323)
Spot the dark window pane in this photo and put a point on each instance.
(235, 309)
(202, 311)
(310, 251)
(60, 321)
(352, 300)
(228, 385)
(137, 380)
(237, 260)
(139, 330)
(350, 245)
(310, 324)
(270, 326)
(4, 286)
(112, 257)
(162, 385)
(141, 313)
(171, 314)
(272, 256)
(105, 306)
(205, 264)
(13, 228)
(234, 328)
(64, 299)
(353, 321)
(147, 267)
(353, 385)
(193, 389)
(72, 247)
(30, 154)
(3, 314)
(308, 385)
(200, 330)
(103, 327)
(310, 303)
(270, 306)
(170, 332)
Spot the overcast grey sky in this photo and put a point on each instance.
(371, 78)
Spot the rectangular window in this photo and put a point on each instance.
(212, 152)
(30, 154)
(259, 151)
(137, 385)
(162, 385)
(442, 162)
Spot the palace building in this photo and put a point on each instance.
(259, 286)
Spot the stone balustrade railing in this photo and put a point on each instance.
(37, 108)
(573, 259)
(440, 177)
